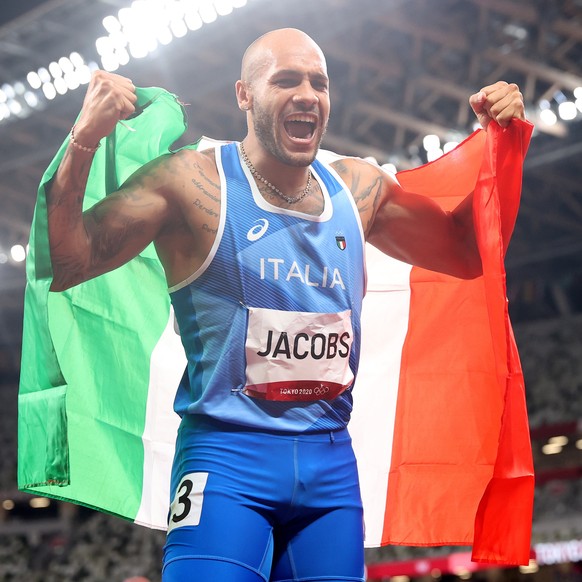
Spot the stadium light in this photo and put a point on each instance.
(548, 117)
(8, 504)
(18, 253)
(567, 110)
(531, 568)
(559, 441)
(139, 29)
(431, 142)
(39, 502)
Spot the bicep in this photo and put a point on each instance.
(414, 229)
(122, 225)
(109, 234)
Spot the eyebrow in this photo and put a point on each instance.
(321, 77)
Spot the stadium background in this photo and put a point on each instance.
(400, 70)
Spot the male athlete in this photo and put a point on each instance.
(263, 250)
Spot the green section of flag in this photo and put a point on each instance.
(86, 351)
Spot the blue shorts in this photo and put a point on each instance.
(256, 506)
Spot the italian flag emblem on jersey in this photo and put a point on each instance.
(341, 242)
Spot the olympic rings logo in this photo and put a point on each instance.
(320, 390)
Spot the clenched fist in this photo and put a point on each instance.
(500, 102)
(109, 98)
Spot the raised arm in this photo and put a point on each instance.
(415, 229)
(411, 227)
(84, 245)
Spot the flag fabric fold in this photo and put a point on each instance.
(439, 427)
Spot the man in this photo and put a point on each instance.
(262, 246)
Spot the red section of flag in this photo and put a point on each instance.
(503, 522)
(462, 471)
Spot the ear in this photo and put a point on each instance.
(243, 95)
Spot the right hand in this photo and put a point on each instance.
(109, 98)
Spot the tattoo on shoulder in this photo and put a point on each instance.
(209, 180)
(209, 229)
(204, 190)
(205, 184)
(366, 192)
(340, 167)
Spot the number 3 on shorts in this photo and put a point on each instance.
(186, 506)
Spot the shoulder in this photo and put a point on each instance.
(369, 185)
(189, 159)
(177, 171)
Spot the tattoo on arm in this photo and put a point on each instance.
(365, 186)
(108, 242)
(366, 193)
(73, 196)
(209, 229)
(68, 270)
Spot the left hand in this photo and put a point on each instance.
(500, 102)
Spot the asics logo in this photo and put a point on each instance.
(258, 230)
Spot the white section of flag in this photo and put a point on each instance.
(167, 365)
(376, 390)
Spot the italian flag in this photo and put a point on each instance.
(440, 425)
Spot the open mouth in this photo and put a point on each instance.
(300, 127)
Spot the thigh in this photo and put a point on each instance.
(212, 527)
(221, 511)
(329, 547)
(323, 539)
(186, 568)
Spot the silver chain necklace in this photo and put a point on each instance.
(276, 190)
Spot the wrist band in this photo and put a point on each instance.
(77, 145)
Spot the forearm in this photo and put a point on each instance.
(68, 241)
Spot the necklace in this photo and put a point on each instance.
(276, 190)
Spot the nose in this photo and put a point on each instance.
(305, 95)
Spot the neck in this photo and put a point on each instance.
(289, 183)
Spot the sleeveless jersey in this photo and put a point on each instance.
(268, 264)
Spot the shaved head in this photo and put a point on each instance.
(284, 90)
(261, 53)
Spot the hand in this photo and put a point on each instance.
(109, 98)
(500, 102)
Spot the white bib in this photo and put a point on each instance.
(297, 355)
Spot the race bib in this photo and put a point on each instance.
(186, 507)
(298, 356)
